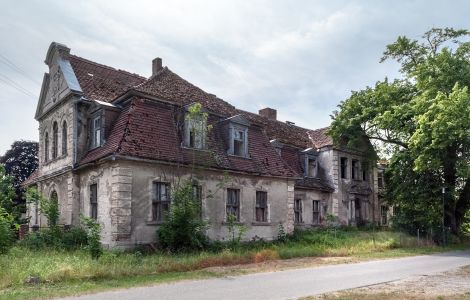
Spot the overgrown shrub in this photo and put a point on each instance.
(183, 228)
(236, 231)
(6, 232)
(93, 229)
(56, 238)
(48, 207)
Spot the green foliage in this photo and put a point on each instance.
(281, 233)
(7, 191)
(56, 238)
(422, 122)
(48, 207)
(6, 232)
(236, 230)
(20, 161)
(93, 229)
(183, 228)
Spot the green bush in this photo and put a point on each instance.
(6, 232)
(57, 238)
(183, 228)
(93, 229)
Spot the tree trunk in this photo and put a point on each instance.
(463, 204)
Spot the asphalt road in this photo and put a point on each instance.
(292, 284)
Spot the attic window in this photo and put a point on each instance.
(195, 134)
(239, 140)
(96, 132)
(311, 166)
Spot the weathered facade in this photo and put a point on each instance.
(113, 144)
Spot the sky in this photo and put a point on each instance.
(300, 57)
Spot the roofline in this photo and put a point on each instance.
(113, 157)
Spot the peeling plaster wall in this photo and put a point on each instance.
(307, 197)
(143, 229)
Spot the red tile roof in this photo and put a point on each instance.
(148, 130)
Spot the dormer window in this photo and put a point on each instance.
(96, 132)
(310, 162)
(195, 134)
(237, 135)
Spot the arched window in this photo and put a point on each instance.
(55, 139)
(55, 199)
(64, 138)
(46, 147)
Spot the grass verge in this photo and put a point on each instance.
(64, 273)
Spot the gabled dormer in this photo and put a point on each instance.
(310, 162)
(195, 127)
(236, 131)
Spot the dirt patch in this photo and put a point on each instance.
(448, 285)
(279, 265)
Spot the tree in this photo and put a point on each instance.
(422, 121)
(7, 191)
(48, 207)
(20, 162)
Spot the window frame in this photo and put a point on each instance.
(46, 147)
(384, 214)
(261, 204)
(308, 159)
(355, 169)
(231, 205)
(195, 139)
(380, 179)
(94, 201)
(95, 143)
(160, 205)
(64, 138)
(344, 167)
(244, 140)
(316, 212)
(298, 211)
(55, 140)
(197, 195)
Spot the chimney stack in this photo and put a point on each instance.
(156, 65)
(268, 113)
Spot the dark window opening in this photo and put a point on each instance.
(94, 201)
(55, 140)
(311, 167)
(261, 206)
(384, 214)
(233, 204)
(161, 201)
(380, 179)
(64, 138)
(344, 167)
(355, 169)
(46, 147)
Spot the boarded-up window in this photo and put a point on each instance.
(316, 212)
(160, 201)
(94, 201)
(233, 203)
(261, 206)
(298, 211)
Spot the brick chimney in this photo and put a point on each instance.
(268, 113)
(156, 65)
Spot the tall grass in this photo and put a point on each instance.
(54, 266)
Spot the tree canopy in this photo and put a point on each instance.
(422, 122)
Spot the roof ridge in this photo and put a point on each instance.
(85, 60)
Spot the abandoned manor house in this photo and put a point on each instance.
(113, 144)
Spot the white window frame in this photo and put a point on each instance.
(238, 128)
(97, 131)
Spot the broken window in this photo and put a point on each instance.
(365, 168)
(55, 140)
(355, 169)
(316, 212)
(344, 167)
(94, 201)
(298, 211)
(160, 201)
(239, 142)
(261, 206)
(233, 204)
